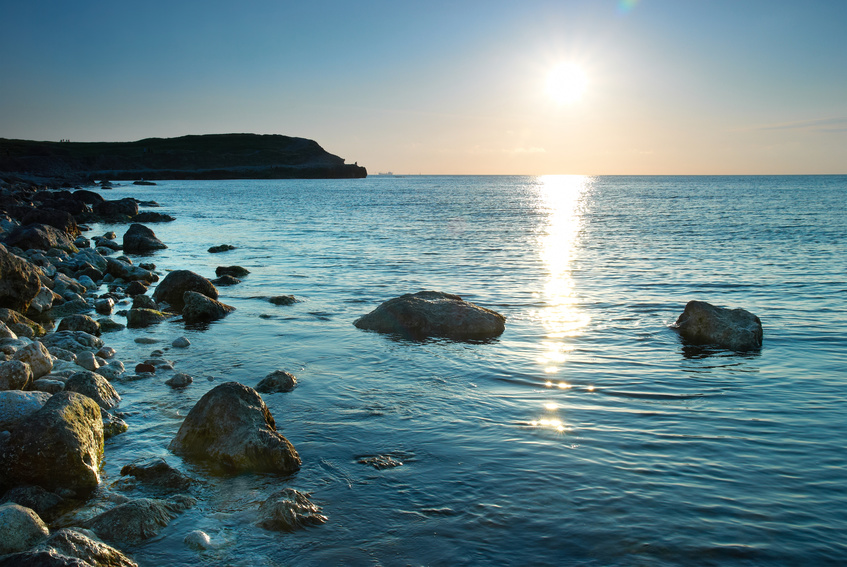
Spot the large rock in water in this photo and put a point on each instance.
(57, 447)
(138, 519)
(433, 314)
(231, 427)
(704, 324)
(172, 288)
(199, 308)
(19, 282)
(139, 238)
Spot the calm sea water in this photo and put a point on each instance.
(586, 434)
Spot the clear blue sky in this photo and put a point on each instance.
(672, 86)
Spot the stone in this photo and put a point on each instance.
(136, 288)
(234, 271)
(42, 301)
(172, 288)
(734, 329)
(20, 325)
(88, 197)
(20, 528)
(92, 258)
(14, 375)
(288, 509)
(106, 352)
(127, 272)
(283, 300)
(41, 237)
(198, 540)
(71, 307)
(79, 322)
(181, 342)
(87, 282)
(140, 239)
(433, 314)
(230, 427)
(6, 332)
(82, 242)
(139, 519)
(104, 306)
(82, 545)
(60, 446)
(144, 302)
(138, 318)
(74, 341)
(19, 282)
(277, 381)
(144, 367)
(95, 387)
(153, 216)
(43, 502)
(112, 424)
(226, 281)
(179, 380)
(199, 308)
(48, 385)
(61, 220)
(221, 248)
(16, 405)
(109, 326)
(118, 210)
(38, 357)
(156, 472)
(87, 360)
(112, 371)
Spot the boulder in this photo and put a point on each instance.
(153, 216)
(79, 323)
(283, 300)
(433, 314)
(77, 544)
(48, 385)
(226, 281)
(138, 519)
(109, 326)
(20, 325)
(60, 446)
(156, 472)
(138, 318)
(221, 248)
(181, 342)
(20, 528)
(42, 301)
(198, 308)
(16, 405)
(88, 197)
(95, 387)
(19, 282)
(61, 220)
(234, 271)
(232, 428)
(112, 424)
(41, 237)
(179, 380)
(43, 502)
(277, 381)
(74, 341)
(104, 306)
(144, 302)
(140, 239)
(87, 360)
(287, 509)
(704, 324)
(136, 288)
(120, 209)
(6, 332)
(14, 375)
(127, 272)
(37, 357)
(173, 287)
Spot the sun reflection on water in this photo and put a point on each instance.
(561, 199)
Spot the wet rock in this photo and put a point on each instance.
(153, 216)
(144, 302)
(234, 271)
(226, 281)
(118, 210)
(158, 473)
(43, 502)
(37, 357)
(109, 326)
(704, 324)
(112, 371)
(179, 380)
(112, 424)
(71, 307)
(74, 341)
(42, 301)
(79, 322)
(138, 318)
(136, 288)
(172, 288)
(277, 381)
(81, 545)
(88, 197)
(16, 405)
(198, 540)
(104, 307)
(287, 510)
(283, 300)
(433, 314)
(20, 325)
(14, 375)
(144, 367)
(181, 342)
(95, 387)
(61, 220)
(19, 282)
(60, 446)
(127, 272)
(41, 237)
(88, 361)
(139, 519)
(198, 307)
(48, 385)
(221, 248)
(380, 462)
(231, 427)
(140, 239)
(106, 352)
(20, 528)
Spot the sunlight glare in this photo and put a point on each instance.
(566, 83)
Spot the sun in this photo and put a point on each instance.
(566, 83)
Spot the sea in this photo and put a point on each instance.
(587, 433)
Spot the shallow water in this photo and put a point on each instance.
(585, 434)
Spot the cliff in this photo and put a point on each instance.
(214, 156)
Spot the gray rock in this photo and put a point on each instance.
(139, 519)
(198, 308)
(14, 375)
(61, 354)
(48, 385)
(95, 387)
(277, 381)
(221, 248)
(20, 528)
(74, 341)
(172, 288)
(16, 405)
(704, 324)
(156, 472)
(106, 352)
(79, 323)
(144, 302)
(198, 540)
(6, 332)
(179, 380)
(19, 281)
(87, 282)
(112, 424)
(60, 446)
(181, 342)
(230, 427)
(42, 301)
(433, 314)
(127, 272)
(283, 300)
(37, 356)
(234, 271)
(226, 281)
(43, 502)
(20, 325)
(140, 239)
(139, 318)
(109, 326)
(287, 510)
(104, 306)
(83, 546)
(87, 360)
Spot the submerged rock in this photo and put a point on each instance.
(231, 427)
(234, 271)
(433, 314)
(704, 324)
(158, 473)
(221, 248)
(283, 300)
(277, 381)
(287, 510)
(138, 519)
(198, 540)
(173, 287)
(139, 318)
